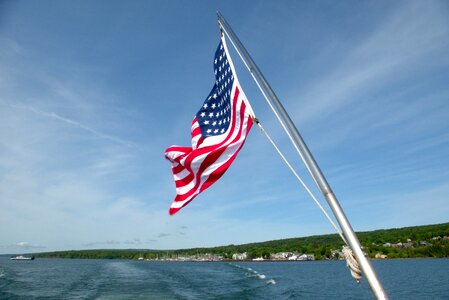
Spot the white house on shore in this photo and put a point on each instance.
(240, 256)
(292, 256)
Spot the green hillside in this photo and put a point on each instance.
(407, 242)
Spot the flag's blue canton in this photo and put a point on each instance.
(215, 114)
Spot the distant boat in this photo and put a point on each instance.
(258, 259)
(21, 257)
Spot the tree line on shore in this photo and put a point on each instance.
(407, 242)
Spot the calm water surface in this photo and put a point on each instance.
(123, 279)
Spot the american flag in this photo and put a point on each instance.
(218, 133)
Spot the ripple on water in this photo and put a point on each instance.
(254, 273)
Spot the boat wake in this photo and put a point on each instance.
(253, 273)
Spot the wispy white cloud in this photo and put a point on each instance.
(115, 243)
(68, 121)
(406, 40)
(25, 246)
(110, 243)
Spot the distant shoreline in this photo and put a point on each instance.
(229, 261)
(428, 241)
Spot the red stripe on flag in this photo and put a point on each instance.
(196, 168)
(215, 153)
(209, 160)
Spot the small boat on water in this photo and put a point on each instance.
(21, 257)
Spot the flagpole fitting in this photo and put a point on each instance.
(219, 24)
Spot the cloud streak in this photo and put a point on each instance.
(25, 246)
(396, 48)
(73, 123)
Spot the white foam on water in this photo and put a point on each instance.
(253, 273)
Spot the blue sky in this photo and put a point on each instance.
(92, 92)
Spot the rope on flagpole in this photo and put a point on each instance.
(351, 261)
(300, 179)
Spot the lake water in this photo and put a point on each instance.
(124, 279)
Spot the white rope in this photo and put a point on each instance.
(352, 263)
(301, 181)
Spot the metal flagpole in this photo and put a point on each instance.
(309, 161)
